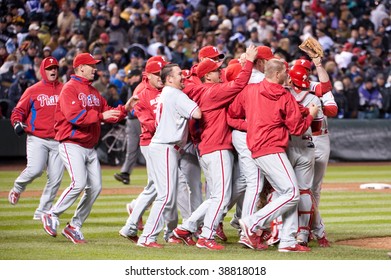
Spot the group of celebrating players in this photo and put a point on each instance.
(257, 129)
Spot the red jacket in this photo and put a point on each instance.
(37, 105)
(190, 84)
(145, 111)
(213, 100)
(272, 114)
(79, 113)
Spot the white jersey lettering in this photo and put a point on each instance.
(45, 100)
(89, 100)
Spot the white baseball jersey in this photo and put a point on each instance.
(305, 98)
(173, 111)
(256, 76)
(172, 125)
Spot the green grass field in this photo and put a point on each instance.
(348, 214)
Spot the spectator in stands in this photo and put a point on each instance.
(340, 99)
(351, 93)
(103, 81)
(82, 23)
(118, 35)
(65, 20)
(61, 50)
(18, 87)
(32, 36)
(119, 81)
(112, 96)
(380, 85)
(139, 32)
(387, 98)
(98, 27)
(113, 70)
(371, 101)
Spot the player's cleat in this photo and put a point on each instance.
(244, 241)
(134, 238)
(50, 224)
(323, 242)
(185, 236)
(252, 237)
(209, 244)
(198, 232)
(272, 241)
(220, 232)
(140, 225)
(265, 235)
(295, 249)
(122, 177)
(13, 197)
(234, 222)
(302, 242)
(150, 245)
(74, 234)
(261, 246)
(174, 240)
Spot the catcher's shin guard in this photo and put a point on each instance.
(306, 214)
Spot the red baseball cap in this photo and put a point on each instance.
(84, 58)
(158, 58)
(49, 62)
(185, 72)
(206, 66)
(105, 38)
(153, 67)
(303, 62)
(264, 53)
(232, 71)
(211, 52)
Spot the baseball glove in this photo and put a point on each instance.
(312, 47)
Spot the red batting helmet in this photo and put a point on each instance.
(303, 62)
(299, 76)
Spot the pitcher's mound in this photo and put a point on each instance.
(374, 243)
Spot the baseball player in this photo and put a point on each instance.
(322, 151)
(272, 113)
(148, 93)
(215, 148)
(190, 161)
(321, 141)
(173, 111)
(34, 114)
(79, 112)
(301, 152)
(145, 110)
(253, 178)
(132, 130)
(148, 194)
(319, 89)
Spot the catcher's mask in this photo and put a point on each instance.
(299, 77)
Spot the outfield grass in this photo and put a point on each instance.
(347, 214)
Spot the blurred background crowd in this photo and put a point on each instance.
(355, 35)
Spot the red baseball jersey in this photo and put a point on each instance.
(145, 110)
(79, 113)
(272, 114)
(213, 99)
(37, 106)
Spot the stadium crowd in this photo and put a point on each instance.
(355, 35)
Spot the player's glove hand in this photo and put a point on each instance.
(312, 47)
(19, 128)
